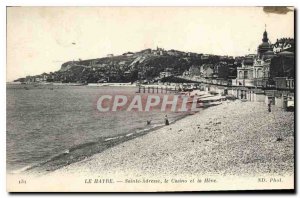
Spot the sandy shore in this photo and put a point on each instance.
(233, 144)
(235, 138)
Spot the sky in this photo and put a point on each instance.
(40, 39)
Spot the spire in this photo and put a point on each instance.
(265, 28)
(265, 35)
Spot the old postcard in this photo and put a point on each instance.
(150, 99)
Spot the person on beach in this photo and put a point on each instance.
(269, 106)
(166, 120)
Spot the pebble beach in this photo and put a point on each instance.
(232, 139)
(231, 146)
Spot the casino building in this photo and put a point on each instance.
(255, 68)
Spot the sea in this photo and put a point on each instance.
(51, 126)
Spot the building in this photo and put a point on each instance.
(207, 70)
(284, 83)
(159, 51)
(255, 69)
(284, 44)
(264, 46)
(282, 70)
(245, 73)
(186, 73)
(165, 74)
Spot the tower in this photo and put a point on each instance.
(265, 37)
(264, 46)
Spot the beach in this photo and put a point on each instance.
(237, 140)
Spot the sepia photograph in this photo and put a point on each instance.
(150, 99)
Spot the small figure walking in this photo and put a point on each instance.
(269, 106)
(166, 120)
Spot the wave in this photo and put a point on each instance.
(18, 171)
(105, 142)
(30, 167)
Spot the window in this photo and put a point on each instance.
(287, 83)
(259, 73)
(250, 74)
(246, 74)
(241, 74)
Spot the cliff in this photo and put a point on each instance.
(129, 67)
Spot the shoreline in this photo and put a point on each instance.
(235, 142)
(105, 142)
(155, 85)
(196, 144)
(64, 157)
(165, 141)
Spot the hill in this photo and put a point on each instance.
(129, 67)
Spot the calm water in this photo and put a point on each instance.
(57, 125)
